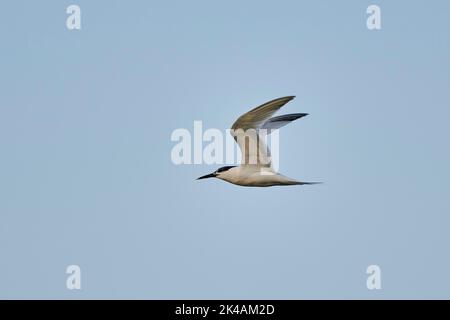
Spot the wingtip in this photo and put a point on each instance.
(285, 98)
(295, 116)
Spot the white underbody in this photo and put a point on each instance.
(255, 176)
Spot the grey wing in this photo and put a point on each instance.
(257, 116)
(245, 131)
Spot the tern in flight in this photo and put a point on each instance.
(248, 130)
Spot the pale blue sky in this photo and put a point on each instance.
(85, 170)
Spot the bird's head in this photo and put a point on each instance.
(219, 173)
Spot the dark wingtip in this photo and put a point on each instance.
(289, 98)
(295, 116)
(288, 117)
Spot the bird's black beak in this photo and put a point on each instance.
(211, 175)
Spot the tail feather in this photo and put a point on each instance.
(309, 182)
(290, 181)
(295, 182)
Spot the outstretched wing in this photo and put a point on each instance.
(246, 131)
(257, 116)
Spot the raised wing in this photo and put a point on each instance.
(251, 140)
(257, 116)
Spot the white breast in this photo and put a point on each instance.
(254, 176)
